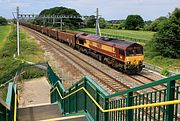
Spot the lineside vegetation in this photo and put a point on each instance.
(29, 49)
(4, 31)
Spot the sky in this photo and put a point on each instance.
(108, 9)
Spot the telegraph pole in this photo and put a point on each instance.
(18, 39)
(98, 32)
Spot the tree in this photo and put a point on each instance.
(60, 11)
(3, 21)
(134, 22)
(102, 23)
(90, 22)
(155, 25)
(166, 40)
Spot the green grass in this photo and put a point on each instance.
(141, 35)
(29, 50)
(4, 32)
(163, 62)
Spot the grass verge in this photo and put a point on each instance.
(4, 32)
(29, 50)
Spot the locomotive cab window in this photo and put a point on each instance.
(139, 51)
(81, 41)
(130, 52)
(121, 52)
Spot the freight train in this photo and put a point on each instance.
(120, 54)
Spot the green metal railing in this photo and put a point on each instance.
(86, 95)
(79, 101)
(8, 109)
(171, 92)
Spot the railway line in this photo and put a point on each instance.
(106, 79)
(113, 84)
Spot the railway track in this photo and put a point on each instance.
(104, 78)
(139, 77)
(107, 80)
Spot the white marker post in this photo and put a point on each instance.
(18, 39)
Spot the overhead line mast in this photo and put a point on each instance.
(98, 32)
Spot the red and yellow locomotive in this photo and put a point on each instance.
(120, 54)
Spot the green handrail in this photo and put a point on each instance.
(99, 105)
(8, 109)
(55, 88)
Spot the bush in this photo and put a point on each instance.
(32, 72)
(166, 40)
(3, 21)
(164, 72)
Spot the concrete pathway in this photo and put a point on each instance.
(34, 92)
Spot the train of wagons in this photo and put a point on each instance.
(120, 54)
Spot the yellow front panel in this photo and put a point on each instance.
(134, 59)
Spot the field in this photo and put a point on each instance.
(4, 31)
(139, 36)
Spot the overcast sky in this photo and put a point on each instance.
(109, 9)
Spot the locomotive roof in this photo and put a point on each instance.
(110, 41)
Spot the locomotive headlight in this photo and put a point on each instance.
(128, 62)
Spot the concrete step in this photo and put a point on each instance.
(69, 118)
(43, 112)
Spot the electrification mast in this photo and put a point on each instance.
(98, 32)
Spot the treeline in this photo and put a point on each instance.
(3, 21)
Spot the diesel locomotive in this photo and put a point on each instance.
(120, 54)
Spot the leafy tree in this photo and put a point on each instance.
(3, 21)
(155, 25)
(148, 22)
(102, 23)
(166, 40)
(60, 11)
(90, 22)
(134, 22)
